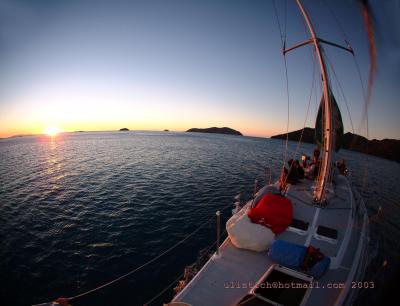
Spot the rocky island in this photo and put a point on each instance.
(124, 130)
(385, 148)
(216, 130)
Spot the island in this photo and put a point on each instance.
(124, 130)
(216, 130)
(166, 130)
(385, 148)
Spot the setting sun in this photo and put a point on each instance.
(52, 131)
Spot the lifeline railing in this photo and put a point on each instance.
(64, 301)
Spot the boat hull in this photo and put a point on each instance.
(227, 277)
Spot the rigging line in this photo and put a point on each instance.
(288, 110)
(204, 204)
(337, 22)
(285, 23)
(307, 113)
(341, 90)
(140, 267)
(366, 103)
(287, 85)
(305, 120)
(165, 289)
(206, 252)
(313, 60)
(279, 23)
(365, 116)
(143, 265)
(360, 78)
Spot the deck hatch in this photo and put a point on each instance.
(296, 223)
(327, 232)
(298, 226)
(253, 300)
(279, 286)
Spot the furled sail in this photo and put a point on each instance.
(337, 124)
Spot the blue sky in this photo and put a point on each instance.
(102, 65)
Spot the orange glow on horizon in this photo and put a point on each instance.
(52, 131)
(111, 126)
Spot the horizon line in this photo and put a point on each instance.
(166, 131)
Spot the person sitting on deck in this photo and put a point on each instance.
(342, 167)
(313, 168)
(290, 176)
(300, 170)
(304, 159)
(315, 155)
(293, 175)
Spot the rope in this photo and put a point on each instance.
(181, 275)
(360, 77)
(165, 289)
(140, 267)
(288, 111)
(367, 97)
(285, 23)
(307, 113)
(341, 90)
(143, 265)
(305, 121)
(368, 23)
(337, 22)
(283, 40)
(279, 23)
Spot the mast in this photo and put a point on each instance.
(327, 111)
(328, 133)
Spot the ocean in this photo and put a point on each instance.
(81, 209)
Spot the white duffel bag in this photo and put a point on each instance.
(247, 235)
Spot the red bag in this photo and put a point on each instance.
(273, 211)
(313, 256)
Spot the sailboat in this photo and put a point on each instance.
(320, 255)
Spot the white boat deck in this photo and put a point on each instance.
(217, 283)
(226, 278)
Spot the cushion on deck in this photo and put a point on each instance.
(247, 235)
(273, 211)
(287, 254)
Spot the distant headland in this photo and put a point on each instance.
(124, 130)
(385, 148)
(216, 130)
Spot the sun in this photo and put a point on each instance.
(52, 131)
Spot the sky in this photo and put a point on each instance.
(178, 64)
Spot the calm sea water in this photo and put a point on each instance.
(83, 208)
